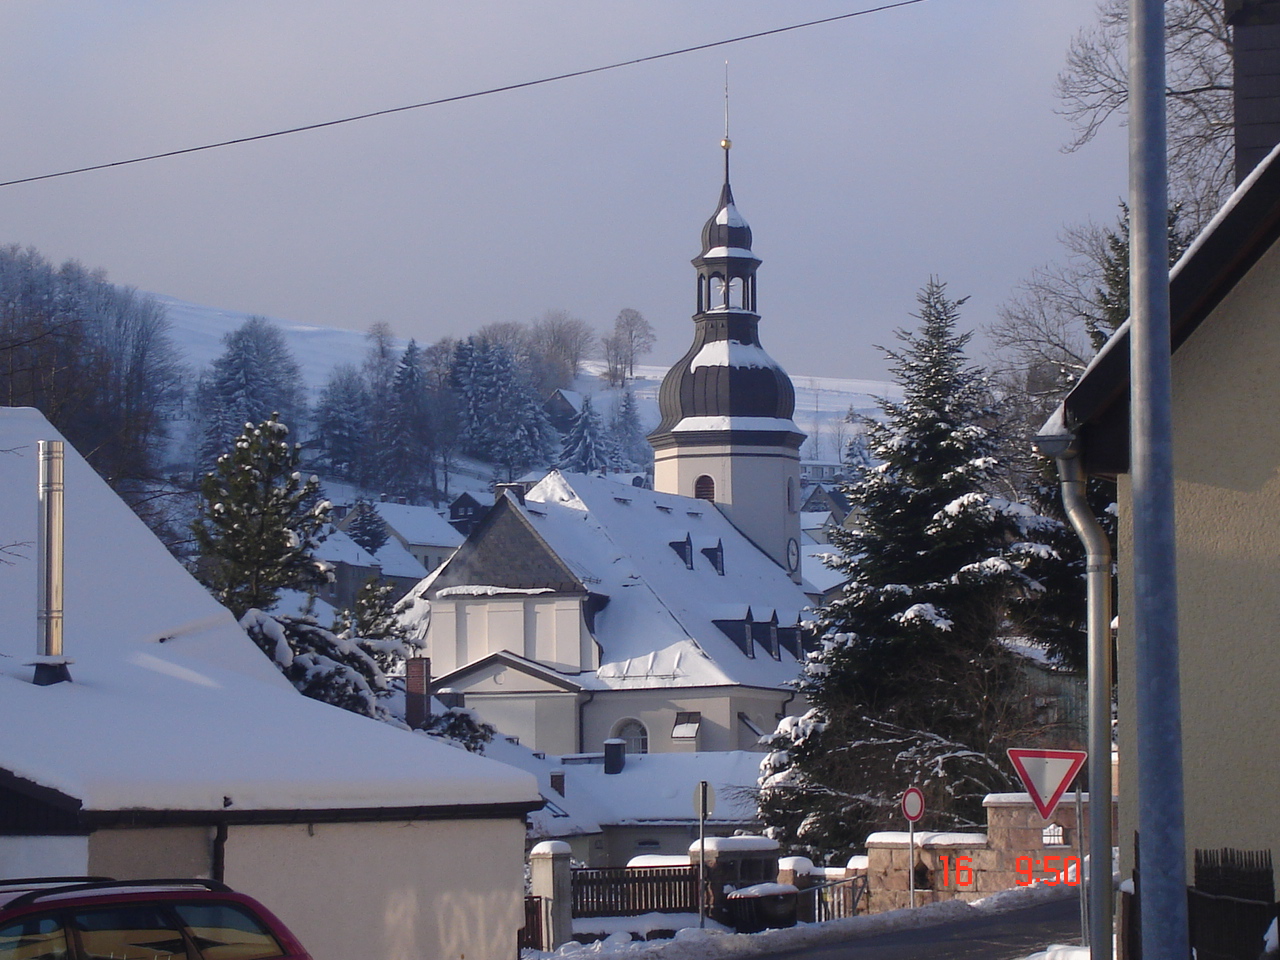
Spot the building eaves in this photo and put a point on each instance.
(1097, 407)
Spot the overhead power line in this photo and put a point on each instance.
(463, 96)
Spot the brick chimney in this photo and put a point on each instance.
(1256, 39)
(417, 690)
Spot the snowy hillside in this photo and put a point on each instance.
(821, 402)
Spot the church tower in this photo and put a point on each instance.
(726, 433)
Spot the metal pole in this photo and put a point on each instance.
(1084, 899)
(911, 859)
(1158, 724)
(1101, 896)
(702, 854)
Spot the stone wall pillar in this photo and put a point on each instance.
(550, 879)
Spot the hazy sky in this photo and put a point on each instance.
(868, 155)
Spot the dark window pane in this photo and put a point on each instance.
(226, 931)
(131, 932)
(39, 938)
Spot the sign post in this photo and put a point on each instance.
(913, 810)
(704, 804)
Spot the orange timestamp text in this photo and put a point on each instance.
(1065, 870)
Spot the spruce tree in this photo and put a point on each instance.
(587, 449)
(320, 664)
(909, 683)
(255, 378)
(408, 449)
(258, 522)
(628, 435)
(342, 422)
(374, 626)
(367, 528)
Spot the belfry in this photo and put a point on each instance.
(727, 433)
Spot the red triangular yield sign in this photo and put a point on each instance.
(1047, 774)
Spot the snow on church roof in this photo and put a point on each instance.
(171, 706)
(657, 629)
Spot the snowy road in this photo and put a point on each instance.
(1004, 936)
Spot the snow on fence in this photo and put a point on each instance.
(631, 891)
(833, 901)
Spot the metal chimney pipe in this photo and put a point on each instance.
(51, 666)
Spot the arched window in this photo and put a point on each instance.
(704, 488)
(719, 292)
(635, 735)
(734, 300)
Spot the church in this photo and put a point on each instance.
(584, 609)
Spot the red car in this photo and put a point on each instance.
(94, 918)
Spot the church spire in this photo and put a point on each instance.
(727, 433)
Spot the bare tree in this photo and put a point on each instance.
(635, 338)
(562, 341)
(1094, 86)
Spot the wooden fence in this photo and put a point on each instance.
(631, 891)
(1228, 909)
(530, 935)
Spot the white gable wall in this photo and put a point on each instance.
(445, 890)
(547, 628)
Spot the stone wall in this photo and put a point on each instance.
(969, 866)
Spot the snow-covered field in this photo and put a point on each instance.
(718, 944)
(821, 402)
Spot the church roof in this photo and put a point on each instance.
(679, 581)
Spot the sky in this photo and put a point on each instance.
(869, 155)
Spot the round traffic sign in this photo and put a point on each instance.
(913, 804)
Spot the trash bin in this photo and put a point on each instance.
(764, 906)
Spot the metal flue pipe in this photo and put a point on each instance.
(50, 665)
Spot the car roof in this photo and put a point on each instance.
(15, 894)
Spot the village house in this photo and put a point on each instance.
(164, 743)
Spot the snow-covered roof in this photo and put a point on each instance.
(420, 525)
(657, 629)
(171, 706)
(338, 547)
(815, 570)
(653, 788)
(396, 561)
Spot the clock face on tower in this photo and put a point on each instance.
(793, 555)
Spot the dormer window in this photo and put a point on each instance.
(716, 556)
(684, 549)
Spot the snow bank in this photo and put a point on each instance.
(714, 943)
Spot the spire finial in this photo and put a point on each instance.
(726, 143)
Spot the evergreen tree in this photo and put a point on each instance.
(628, 435)
(373, 625)
(367, 528)
(254, 379)
(910, 684)
(587, 449)
(408, 449)
(320, 664)
(342, 422)
(258, 522)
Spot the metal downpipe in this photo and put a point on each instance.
(1101, 895)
